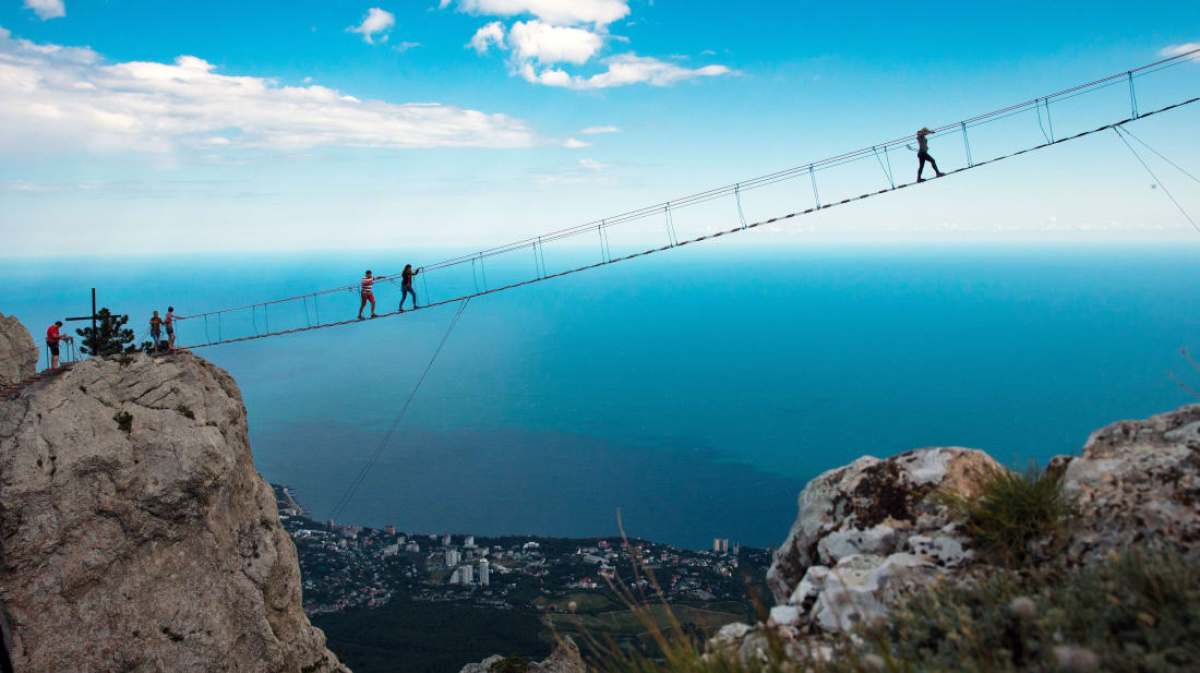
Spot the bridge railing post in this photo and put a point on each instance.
(967, 145)
(1133, 106)
(812, 174)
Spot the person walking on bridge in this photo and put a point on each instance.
(406, 285)
(367, 292)
(923, 154)
(53, 337)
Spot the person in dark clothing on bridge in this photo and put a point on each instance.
(406, 285)
(923, 154)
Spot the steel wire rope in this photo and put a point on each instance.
(1117, 130)
(387, 436)
(1159, 154)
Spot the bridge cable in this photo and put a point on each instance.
(1117, 130)
(387, 436)
(1160, 156)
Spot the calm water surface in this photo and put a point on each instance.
(696, 392)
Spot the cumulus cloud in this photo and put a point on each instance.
(625, 69)
(376, 22)
(574, 144)
(1179, 49)
(592, 130)
(47, 9)
(488, 35)
(65, 98)
(545, 43)
(557, 12)
(569, 32)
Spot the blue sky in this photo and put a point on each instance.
(138, 127)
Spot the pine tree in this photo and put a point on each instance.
(112, 335)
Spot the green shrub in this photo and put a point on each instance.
(1018, 517)
(124, 421)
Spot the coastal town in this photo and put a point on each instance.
(347, 566)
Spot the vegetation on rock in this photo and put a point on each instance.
(1018, 516)
(1136, 611)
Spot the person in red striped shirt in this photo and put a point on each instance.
(368, 293)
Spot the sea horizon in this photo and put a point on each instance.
(697, 392)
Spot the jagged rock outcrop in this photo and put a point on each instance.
(1137, 483)
(564, 659)
(137, 534)
(868, 530)
(18, 352)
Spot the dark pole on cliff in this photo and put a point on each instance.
(92, 317)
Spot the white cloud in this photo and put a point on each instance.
(405, 46)
(55, 98)
(488, 35)
(557, 12)
(569, 32)
(47, 9)
(592, 130)
(1179, 49)
(593, 165)
(544, 43)
(625, 69)
(574, 144)
(376, 22)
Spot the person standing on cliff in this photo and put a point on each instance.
(53, 337)
(923, 154)
(406, 285)
(368, 293)
(156, 329)
(169, 323)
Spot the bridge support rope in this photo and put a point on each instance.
(387, 436)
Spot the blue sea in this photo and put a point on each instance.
(695, 392)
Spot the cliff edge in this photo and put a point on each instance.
(137, 533)
(18, 352)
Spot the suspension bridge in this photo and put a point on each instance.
(302, 313)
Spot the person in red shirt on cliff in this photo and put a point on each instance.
(368, 293)
(53, 337)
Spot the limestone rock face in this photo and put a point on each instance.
(1137, 483)
(875, 508)
(137, 534)
(564, 659)
(18, 352)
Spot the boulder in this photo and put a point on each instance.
(138, 535)
(18, 352)
(878, 507)
(564, 659)
(1137, 483)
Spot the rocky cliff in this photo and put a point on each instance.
(18, 353)
(869, 531)
(137, 534)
